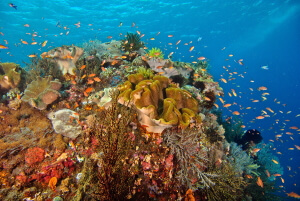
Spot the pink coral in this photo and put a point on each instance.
(34, 155)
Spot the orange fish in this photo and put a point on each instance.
(24, 42)
(32, 55)
(259, 182)
(223, 80)
(88, 90)
(97, 79)
(44, 43)
(236, 113)
(201, 58)
(170, 36)
(178, 42)
(227, 105)
(277, 175)
(255, 150)
(294, 127)
(90, 81)
(33, 43)
(92, 75)
(260, 117)
(262, 88)
(297, 147)
(293, 195)
(82, 67)
(3, 47)
(191, 48)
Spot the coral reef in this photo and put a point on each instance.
(65, 57)
(65, 122)
(42, 92)
(117, 129)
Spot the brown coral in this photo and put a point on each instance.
(65, 57)
(42, 92)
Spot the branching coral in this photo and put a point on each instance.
(42, 92)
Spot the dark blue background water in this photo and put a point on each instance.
(261, 32)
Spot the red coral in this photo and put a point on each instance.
(34, 155)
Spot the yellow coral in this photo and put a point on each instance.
(159, 104)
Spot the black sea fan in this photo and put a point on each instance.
(132, 42)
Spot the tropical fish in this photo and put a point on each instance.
(236, 113)
(3, 47)
(259, 182)
(191, 48)
(13, 5)
(265, 67)
(201, 58)
(293, 195)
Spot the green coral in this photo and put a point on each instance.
(158, 100)
(132, 42)
(147, 73)
(156, 53)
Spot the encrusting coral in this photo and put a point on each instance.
(65, 57)
(159, 104)
(42, 92)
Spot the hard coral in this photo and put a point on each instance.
(42, 92)
(10, 76)
(159, 104)
(65, 57)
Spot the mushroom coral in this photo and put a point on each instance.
(160, 105)
(65, 57)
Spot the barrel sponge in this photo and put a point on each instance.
(159, 103)
(42, 92)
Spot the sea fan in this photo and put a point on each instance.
(190, 158)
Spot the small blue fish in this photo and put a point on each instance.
(12, 5)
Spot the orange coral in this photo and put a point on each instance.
(52, 183)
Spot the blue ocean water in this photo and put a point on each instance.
(257, 33)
